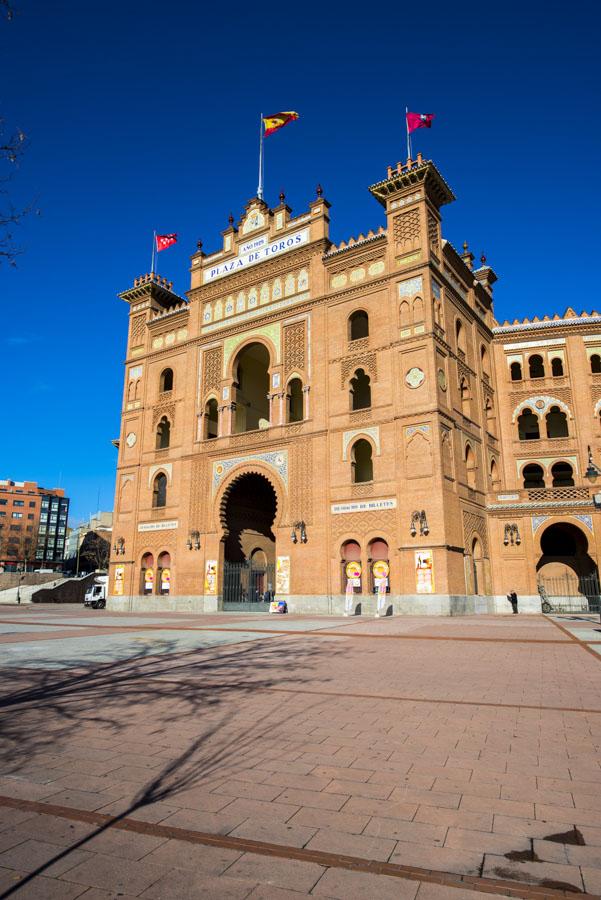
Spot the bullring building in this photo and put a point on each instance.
(348, 426)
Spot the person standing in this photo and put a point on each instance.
(513, 599)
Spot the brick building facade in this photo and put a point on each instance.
(349, 425)
(33, 525)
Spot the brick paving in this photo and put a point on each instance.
(238, 756)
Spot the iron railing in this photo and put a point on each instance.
(570, 592)
(248, 585)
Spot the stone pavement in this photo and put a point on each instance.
(239, 755)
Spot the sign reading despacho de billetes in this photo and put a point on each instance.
(363, 506)
(157, 526)
(262, 249)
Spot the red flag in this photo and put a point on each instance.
(165, 240)
(419, 120)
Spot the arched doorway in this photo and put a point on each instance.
(251, 382)
(565, 570)
(248, 513)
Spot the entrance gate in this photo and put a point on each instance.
(248, 586)
(570, 592)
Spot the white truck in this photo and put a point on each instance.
(97, 592)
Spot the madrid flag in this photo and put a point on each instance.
(165, 240)
(418, 120)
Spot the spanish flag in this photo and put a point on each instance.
(278, 120)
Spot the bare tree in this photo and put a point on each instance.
(20, 547)
(12, 147)
(95, 552)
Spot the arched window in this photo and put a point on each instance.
(211, 420)
(557, 423)
(166, 381)
(251, 384)
(460, 336)
(418, 310)
(360, 390)
(556, 367)
(464, 390)
(562, 474)
(516, 371)
(595, 364)
(147, 574)
(378, 552)
(362, 466)
(163, 434)
(534, 476)
(163, 573)
(495, 479)
(536, 366)
(294, 398)
(477, 566)
(470, 466)
(528, 426)
(358, 325)
(485, 359)
(159, 491)
(405, 314)
(350, 552)
(490, 416)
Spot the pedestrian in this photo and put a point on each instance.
(513, 599)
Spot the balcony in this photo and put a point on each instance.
(546, 495)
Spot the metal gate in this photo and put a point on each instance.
(570, 593)
(248, 586)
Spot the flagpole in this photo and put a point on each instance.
(408, 135)
(154, 243)
(260, 187)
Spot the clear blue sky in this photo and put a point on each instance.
(145, 115)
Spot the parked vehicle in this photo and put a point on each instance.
(97, 592)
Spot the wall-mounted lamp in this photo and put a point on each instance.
(511, 534)
(119, 546)
(193, 541)
(418, 519)
(592, 472)
(303, 533)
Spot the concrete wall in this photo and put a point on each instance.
(334, 605)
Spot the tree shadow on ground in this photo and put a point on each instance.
(198, 695)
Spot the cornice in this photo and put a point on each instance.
(552, 323)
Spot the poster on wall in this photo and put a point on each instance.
(211, 576)
(424, 572)
(119, 576)
(282, 575)
(165, 581)
(353, 573)
(148, 580)
(381, 571)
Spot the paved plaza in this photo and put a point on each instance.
(247, 756)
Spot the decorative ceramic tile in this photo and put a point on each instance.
(411, 286)
(277, 460)
(348, 436)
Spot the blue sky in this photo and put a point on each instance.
(145, 115)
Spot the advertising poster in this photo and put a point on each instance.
(381, 571)
(424, 572)
(211, 576)
(165, 581)
(353, 573)
(119, 576)
(148, 580)
(282, 575)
